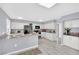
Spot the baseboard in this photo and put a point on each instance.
(71, 47)
(26, 49)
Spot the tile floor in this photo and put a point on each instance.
(51, 48)
(46, 46)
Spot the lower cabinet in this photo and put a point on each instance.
(50, 36)
(71, 41)
(43, 34)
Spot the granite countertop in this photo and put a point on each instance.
(73, 34)
(48, 30)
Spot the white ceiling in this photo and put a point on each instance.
(35, 12)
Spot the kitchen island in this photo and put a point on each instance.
(18, 44)
(71, 41)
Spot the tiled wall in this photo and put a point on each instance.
(14, 31)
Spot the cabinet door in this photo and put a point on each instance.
(67, 40)
(54, 37)
(42, 26)
(75, 42)
(47, 36)
(43, 34)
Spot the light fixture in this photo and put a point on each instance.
(20, 18)
(40, 20)
(47, 5)
(15, 45)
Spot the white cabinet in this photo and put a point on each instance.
(49, 36)
(49, 25)
(67, 40)
(43, 34)
(42, 26)
(18, 25)
(75, 42)
(71, 41)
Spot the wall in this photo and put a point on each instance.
(3, 23)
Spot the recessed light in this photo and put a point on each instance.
(40, 20)
(20, 18)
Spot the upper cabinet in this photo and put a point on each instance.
(42, 26)
(49, 25)
(71, 24)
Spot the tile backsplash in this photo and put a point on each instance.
(48, 30)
